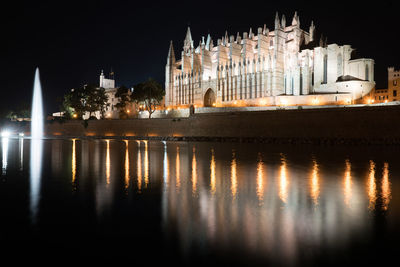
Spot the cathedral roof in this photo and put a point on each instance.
(347, 78)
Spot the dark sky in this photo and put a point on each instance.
(71, 41)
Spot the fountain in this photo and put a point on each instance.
(37, 109)
(36, 146)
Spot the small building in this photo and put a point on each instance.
(112, 111)
(392, 92)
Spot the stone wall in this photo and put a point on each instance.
(367, 124)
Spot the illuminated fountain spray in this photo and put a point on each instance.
(37, 109)
(36, 146)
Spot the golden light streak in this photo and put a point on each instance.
(108, 162)
(194, 172)
(127, 178)
(178, 170)
(386, 190)
(146, 164)
(166, 166)
(212, 173)
(260, 180)
(283, 180)
(371, 186)
(139, 167)
(234, 182)
(347, 183)
(73, 161)
(315, 183)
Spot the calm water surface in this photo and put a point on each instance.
(198, 203)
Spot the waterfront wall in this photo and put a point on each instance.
(357, 124)
(368, 124)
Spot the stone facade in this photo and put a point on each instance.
(392, 93)
(256, 68)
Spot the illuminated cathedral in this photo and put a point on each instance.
(283, 66)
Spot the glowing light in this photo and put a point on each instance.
(263, 102)
(108, 162)
(5, 133)
(386, 190)
(347, 183)
(139, 167)
(283, 180)
(260, 180)
(315, 101)
(127, 178)
(21, 134)
(166, 166)
(234, 182)
(386, 101)
(371, 186)
(212, 173)
(75, 115)
(4, 144)
(348, 100)
(146, 164)
(314, 183)
(73, 164)
(284, 102)
(128, 111)
(235, 102)
(194, 172)
(178, 170)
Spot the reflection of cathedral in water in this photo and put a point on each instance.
(268, 208)
(220, 197)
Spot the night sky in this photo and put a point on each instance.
(71, 42)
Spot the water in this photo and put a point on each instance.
(199, 203)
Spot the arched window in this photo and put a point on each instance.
(325, 80)
(339, 65)
(366, 73)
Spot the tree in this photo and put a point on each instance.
(84, 99)
(150, 93)
(96, 100)
(123, 96)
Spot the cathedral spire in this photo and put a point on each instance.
(208, 42)
(188, 43)
(283, 24)
(295, 19)
(226, 36)
(251, 33)
(277, 24)
(171, 54)
(264, 29)
(312, 31)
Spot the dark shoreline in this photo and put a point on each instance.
(367, 125)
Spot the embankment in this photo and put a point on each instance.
(342, 125)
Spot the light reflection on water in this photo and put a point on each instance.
(270, 203)
(35, 176)
(4, 144)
